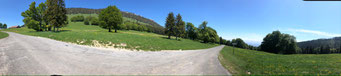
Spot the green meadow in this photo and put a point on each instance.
(244, 62)
(3, 35)
(77, 32)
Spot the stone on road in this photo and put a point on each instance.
(29, 55)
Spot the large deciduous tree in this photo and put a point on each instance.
(170, 25)
(276, 42)
(111, 17)
(56, 13)
(240, 43)
(191, 31)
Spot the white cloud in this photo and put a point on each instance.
(316, 32)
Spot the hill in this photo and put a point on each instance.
(332, 43)
(243, 62)
(127, 16)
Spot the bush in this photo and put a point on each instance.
(79, 18)
(86, 22)
(91, 21)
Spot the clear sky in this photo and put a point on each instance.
(250, 20)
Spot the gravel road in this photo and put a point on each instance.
(22, 54)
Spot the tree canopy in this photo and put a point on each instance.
(279, 43)
(56, 13)
(111, 18)
(170, 25)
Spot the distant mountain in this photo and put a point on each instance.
(157, 27)
(332, 43)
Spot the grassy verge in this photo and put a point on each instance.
(244, 62)
(77, 32)
(3, 35)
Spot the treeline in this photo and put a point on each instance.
(238, 43)
(126, 25)
(46, 16)
(3, 26)
(175, 26)
(321, 46)
(155, 27)
(178, 28)
(320, 50)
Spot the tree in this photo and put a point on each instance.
(212, 35)
(204, 35)
(56, 13)
(31, 17)
(88, 20)
(31, 24)
(41, 9)
(79, 18)
(112, 18)
(4, 26)
(170, 25)
(228, 43)
(1, 25)
(240, 43)
(220, 40)
(191, 31)
(276, 42)
(179, 27)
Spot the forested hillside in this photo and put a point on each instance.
(156, 27)
(332, 44)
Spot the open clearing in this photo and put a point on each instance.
(27, 55)
(261, 63)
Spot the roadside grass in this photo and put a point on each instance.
(3, 35)
(77, 32)
(244, 62)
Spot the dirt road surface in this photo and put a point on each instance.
(22, 54)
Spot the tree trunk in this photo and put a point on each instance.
(115, 30)
(168, 36)
(109, 29)
(176, 37)
(57, 29)
(40, 26)
(54, 28)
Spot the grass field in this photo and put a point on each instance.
(3, 35)
(96, 36)
(244, 62)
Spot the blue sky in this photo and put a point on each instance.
(250, 20)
